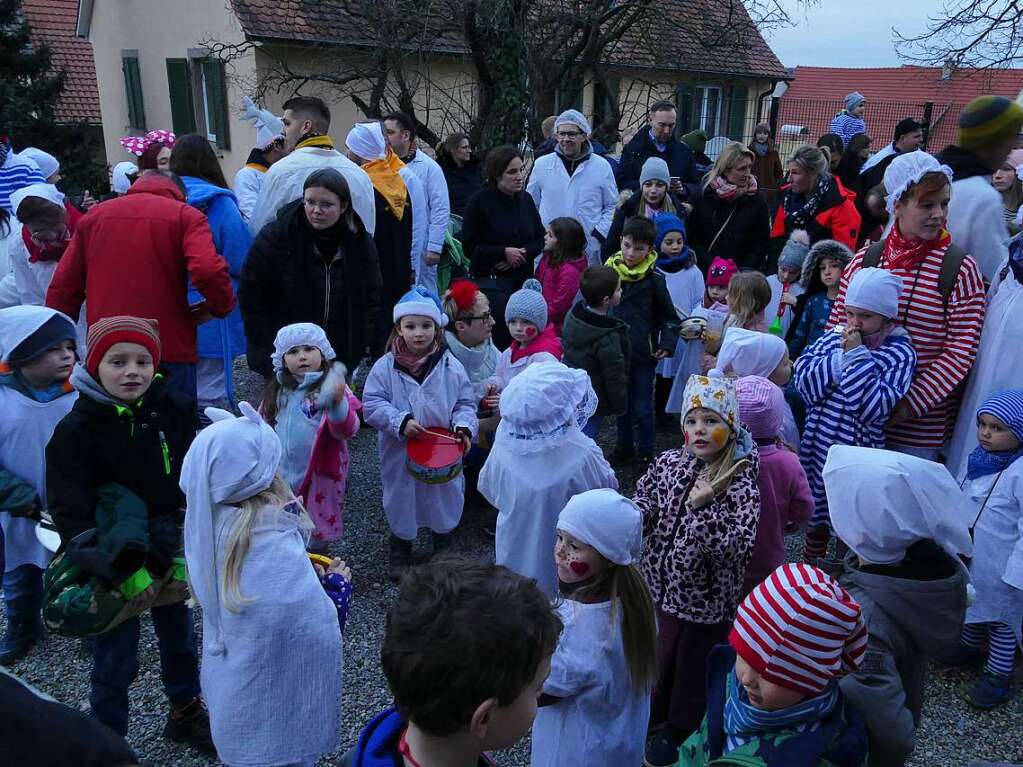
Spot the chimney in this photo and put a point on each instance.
(947, 69)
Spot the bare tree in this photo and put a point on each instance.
(967, 33)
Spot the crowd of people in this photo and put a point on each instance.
(835, 334)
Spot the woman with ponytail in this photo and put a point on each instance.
(596, 701)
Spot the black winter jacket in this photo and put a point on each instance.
(745, 238)
(641, 147)
(494, 221)
(631, 207)
(140, 447)
(599, 345)
(463, 183)
(285, 280)
(393, 239)
(647, 309)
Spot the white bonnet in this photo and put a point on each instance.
(541, 405)
(907, 169)
(607, 521)
(367, 141)
(300, 334)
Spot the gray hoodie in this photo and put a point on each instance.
(914, 612)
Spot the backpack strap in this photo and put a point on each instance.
(950, 266)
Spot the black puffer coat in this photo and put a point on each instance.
(744, 237)
(653, 323)
(286, 280)
(631, 207)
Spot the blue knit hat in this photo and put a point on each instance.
(1007, 407)
(421, 302)
(668, 222)
(853, 100)
(527, 304)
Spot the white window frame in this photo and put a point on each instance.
(701, 93)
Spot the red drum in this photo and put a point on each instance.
(435, 456)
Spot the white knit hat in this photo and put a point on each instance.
(907, 169)
(46, 162)
(875, 290)
(607, 521)
(367, 140)
(300, 334)
(749, 353)
(542, 405)
(881, 502)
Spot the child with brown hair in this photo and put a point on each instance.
(561, 267)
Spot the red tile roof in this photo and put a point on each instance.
(699, 36)
(815, 96)
(53, 22)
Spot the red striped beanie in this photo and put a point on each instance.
(800, 629)
(108, 331)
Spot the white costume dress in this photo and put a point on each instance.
(445, 398)
(998, 366)
(686, 288)
(602, 719)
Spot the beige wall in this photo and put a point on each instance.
(161, 31)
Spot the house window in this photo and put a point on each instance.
(210, 87)
(179, 82)
(708, 109)
(133, 90)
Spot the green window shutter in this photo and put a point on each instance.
(737, 104)
(179, 82)
(216, 103)
(133, 91)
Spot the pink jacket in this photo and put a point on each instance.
(323, 487)
(785, 501)
(560, 285)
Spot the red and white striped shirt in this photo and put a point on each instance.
(945, 339)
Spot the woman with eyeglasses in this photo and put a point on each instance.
(314, 263)
(502, 234)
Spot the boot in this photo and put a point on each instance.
(190, 724)
(24, 629)
(399, 557)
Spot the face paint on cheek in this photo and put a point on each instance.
(718, 435)
(685, 436)
(579, 568)
(530, 331)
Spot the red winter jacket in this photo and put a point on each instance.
(134, 255)
(839, 220)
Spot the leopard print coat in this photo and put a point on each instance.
(695, 559)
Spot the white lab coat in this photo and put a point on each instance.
(589, 195)
(274, 694)
(686, 288)
(999, 365)
(444, 398)
(247, 183)
(601, 719)
(976, 224)
(283, 184)
(997, 566)
(420, 216)
(529, 491)
(438, 212)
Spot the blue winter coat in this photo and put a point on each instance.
(221, 339)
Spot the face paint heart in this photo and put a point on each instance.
(579, 568)
(530, 332)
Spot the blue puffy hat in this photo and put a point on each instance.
(1007, 407)
(668, 222)
(422, 302)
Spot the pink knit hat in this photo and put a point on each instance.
(799, 629)
(761, 406)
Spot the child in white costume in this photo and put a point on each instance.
(596, 702)
(271, 662)
(416, 386)
(540, 459)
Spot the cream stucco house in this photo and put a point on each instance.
(153, 70)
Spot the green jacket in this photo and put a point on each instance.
(840, 740)
(599, 345)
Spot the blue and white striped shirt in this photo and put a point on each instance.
(16, 174)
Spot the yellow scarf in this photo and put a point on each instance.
(631, 273)
(257, 166)
(326, 142)
(386, 180)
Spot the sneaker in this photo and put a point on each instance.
(399, 557)
(662, 752)
(190, 724)
(964, 655)
(990, 690)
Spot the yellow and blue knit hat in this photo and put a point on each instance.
(987, 119)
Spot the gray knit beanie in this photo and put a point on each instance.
(655, 169)
(794, 253)
(527, 304)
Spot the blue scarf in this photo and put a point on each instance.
(981, 462)
(1007, 407)
(743, 721)
(674, 264)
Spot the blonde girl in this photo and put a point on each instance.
(596, 702)
(314, 414)
(418, 385)
(700, 507)
(271, 626)
(748, 296)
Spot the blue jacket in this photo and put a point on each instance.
(378, 743)
(221, 339)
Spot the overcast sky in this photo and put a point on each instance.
(838, 33)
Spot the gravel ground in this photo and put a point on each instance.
(951, 733)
